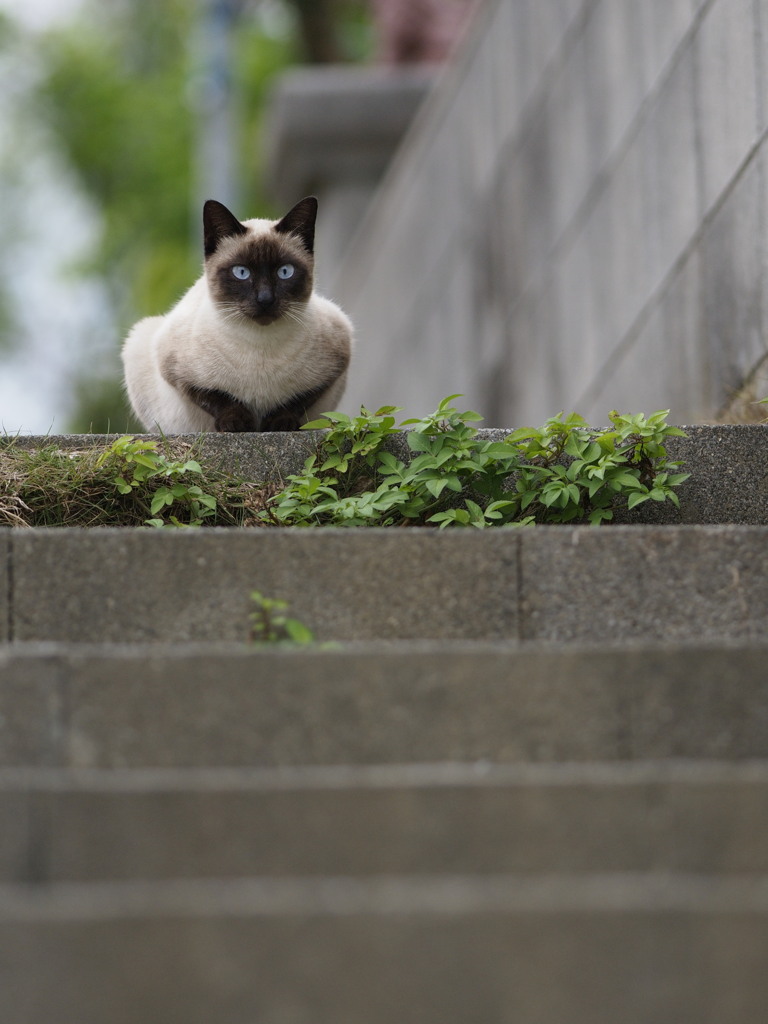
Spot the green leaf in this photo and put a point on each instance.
(436, 486)
(418, 442)
(146, 460)
(636, 498)
(574, 445)
(522, 434)
(550, 496)
(161, 498)
(298, 633)
(461, 515)
(607, 441)
(499, 510)
(624, 479)
(600, 515)
(445, 405)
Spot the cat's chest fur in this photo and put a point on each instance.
(261, 366)
(250, 346)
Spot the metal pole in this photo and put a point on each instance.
(213, 90)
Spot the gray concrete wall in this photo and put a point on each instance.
(331, 132)
(577, 218)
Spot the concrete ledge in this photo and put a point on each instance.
(444, 819)
(142, 585)
(31, 712)
(344, 122)
(729, 477)
(548, 583)
(228, 707)
(5, 585)
(728, 467)
(416, 951)
(580, 584)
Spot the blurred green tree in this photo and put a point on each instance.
(331, 31)
(120, 93)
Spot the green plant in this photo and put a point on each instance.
(359, 475)
(570, 472)
(137, 465)
(562, 472)
(271, 626)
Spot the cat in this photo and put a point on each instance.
(251, 346)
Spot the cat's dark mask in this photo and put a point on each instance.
(260, 273)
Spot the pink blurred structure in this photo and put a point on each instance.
(412, 31)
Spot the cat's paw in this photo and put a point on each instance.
(235, 418)
(281, 420)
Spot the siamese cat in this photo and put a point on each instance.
(250, 346)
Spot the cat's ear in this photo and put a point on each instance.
(219, 223)
(301, 221)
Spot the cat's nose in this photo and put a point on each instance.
(265, 296)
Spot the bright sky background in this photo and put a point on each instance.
(72, 323)
(39, 13)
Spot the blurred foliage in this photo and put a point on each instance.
(100, 408)
(333, 30)
(9, 182)
(118, 92)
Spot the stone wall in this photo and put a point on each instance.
(576, 219)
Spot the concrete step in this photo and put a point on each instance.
(728, 466)
(192, 830)
(694, 817)
(592, 949)
(227, 706)
(555, 584)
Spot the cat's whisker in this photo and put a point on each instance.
(297, 316)
(231, 313)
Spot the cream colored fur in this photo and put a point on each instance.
(260, 366)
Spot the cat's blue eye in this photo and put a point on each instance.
(241, 273)
(285, 271)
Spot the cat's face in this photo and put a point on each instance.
(264, 274)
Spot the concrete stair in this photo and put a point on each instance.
(446, 819)
(203, 707)
(529, 784)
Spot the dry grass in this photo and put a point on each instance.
(51, 487)
(746, 404)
